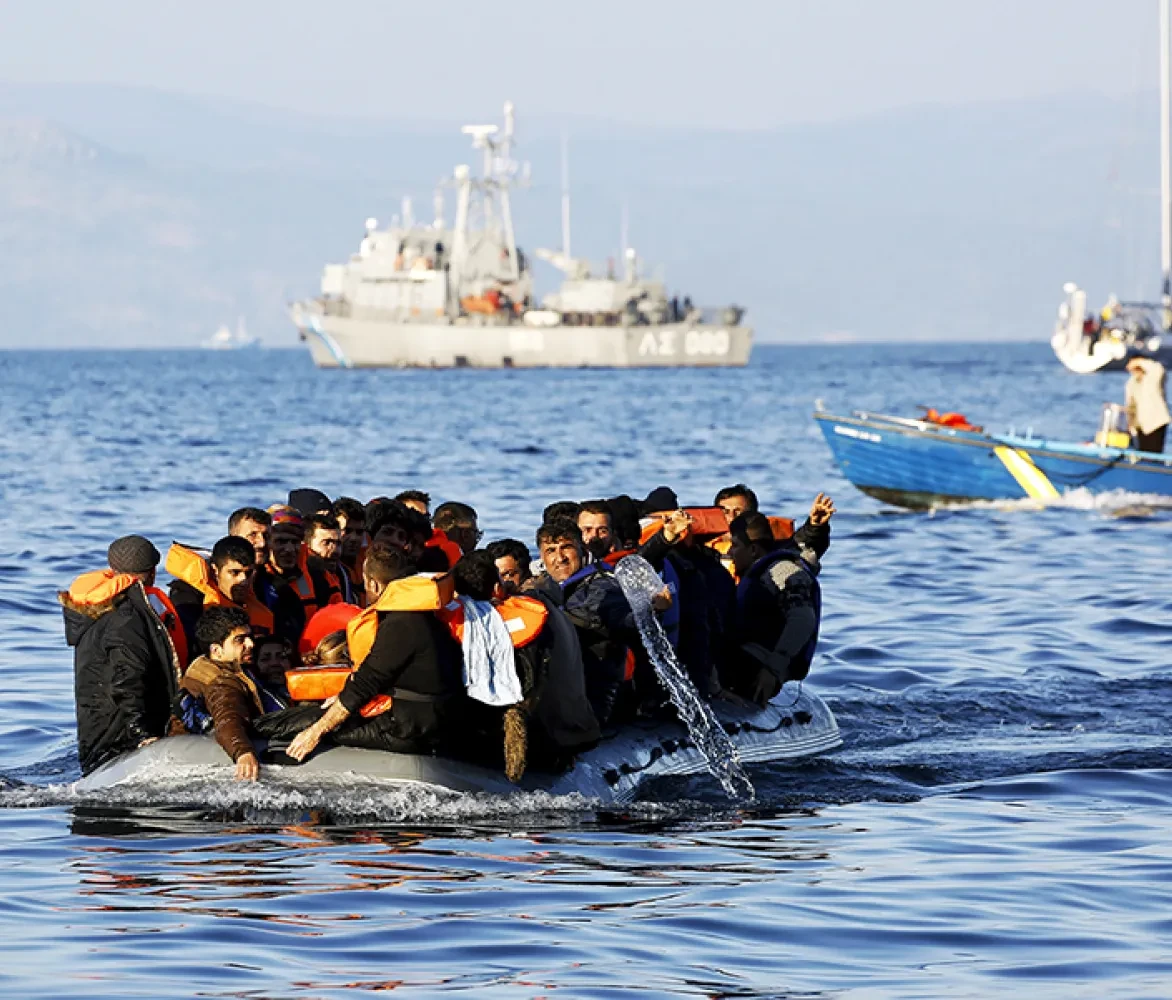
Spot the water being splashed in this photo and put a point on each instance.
(640, 584)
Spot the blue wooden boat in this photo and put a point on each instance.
(914, 463)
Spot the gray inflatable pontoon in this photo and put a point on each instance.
(796, 724)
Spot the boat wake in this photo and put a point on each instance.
(212, 792)
(1116, 503)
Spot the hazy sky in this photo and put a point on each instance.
(742, 64)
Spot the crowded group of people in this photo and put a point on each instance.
(386, 625)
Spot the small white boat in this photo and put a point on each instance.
(796, 724)
(225, 339)
(1089, 342)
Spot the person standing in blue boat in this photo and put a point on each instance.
(1147, 407)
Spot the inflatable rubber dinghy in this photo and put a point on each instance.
(796, 724)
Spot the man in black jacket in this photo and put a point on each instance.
(778, 610)
(594, 602)
(567, 722)
(126, 672)
(415, 660)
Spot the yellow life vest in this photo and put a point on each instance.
(189, 566)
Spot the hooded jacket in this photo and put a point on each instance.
(125, 669)
(779, 612)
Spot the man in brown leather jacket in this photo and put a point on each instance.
(222, 680)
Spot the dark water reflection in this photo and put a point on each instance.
(998, 819)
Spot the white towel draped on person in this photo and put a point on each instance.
(490, 669)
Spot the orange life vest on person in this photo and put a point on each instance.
(103, 585)
(189, 566)
(305, 586)
(524, 617)
(100, 586)
(439, 540)
(332, 618)
(161, 605)
(781, 527)
(422, 592)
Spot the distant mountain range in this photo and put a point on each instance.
(133, 217)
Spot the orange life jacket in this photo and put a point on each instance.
(304, 585)
(711, 526)
(100, 586)
(161, 605)
(439, 540)
(317, 683)
(331, 618)
(782, 528)
(189, 566)
(422, 592)
(524, 617)
(103, 585)
(957, 421)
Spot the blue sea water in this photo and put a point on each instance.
(998, 821)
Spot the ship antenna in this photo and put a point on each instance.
(1165, 163)
(623, 240)
(566, 195)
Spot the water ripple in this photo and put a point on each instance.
(998, 819)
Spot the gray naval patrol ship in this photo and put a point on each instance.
(438, 296)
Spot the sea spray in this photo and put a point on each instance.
(640, 584)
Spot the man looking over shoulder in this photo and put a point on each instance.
(778, 612)
(125, 668)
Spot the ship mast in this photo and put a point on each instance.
(1166, 161)
(566, 196)
(502, 167)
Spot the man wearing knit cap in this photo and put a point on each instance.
(134, 554)
(309, 501)
(126, 668)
